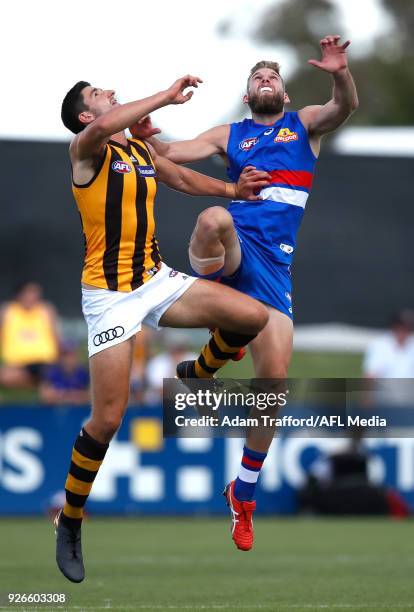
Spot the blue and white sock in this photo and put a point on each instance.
(249, 471)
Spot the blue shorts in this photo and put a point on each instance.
(261, 278)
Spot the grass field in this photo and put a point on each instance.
(190, 564)
(305, 364)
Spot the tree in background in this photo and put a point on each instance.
(384, 77)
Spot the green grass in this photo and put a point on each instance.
(191, 564)
(305, 365)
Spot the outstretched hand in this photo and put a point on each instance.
(250, 182)
(176, 93)
(334, 56)
(144, 129)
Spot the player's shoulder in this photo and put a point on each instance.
(140, 142)
(73, 147)
(215, 139)
(247, 121)
(76, 150)
(215, 133)
(307, 114)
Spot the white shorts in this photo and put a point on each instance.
(114, 316)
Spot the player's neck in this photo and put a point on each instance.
(121, 138)
(267, 119)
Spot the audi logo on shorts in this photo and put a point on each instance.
(108, 335)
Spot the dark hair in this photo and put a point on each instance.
(402, 318)
(72, 105)
(22, 284)
(264, 64)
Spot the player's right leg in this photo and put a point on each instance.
(271, 349)
(215, 249)
(110, 371)
(214, 246)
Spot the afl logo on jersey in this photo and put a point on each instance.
(285, 135)
(247, 144)
(121, 167)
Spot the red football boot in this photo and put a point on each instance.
(241, 516)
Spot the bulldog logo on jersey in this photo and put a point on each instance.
(121, 167)
(248, 143)
(285, 135)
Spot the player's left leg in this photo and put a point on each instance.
(237, 317)
(110, 370)
(271, 352)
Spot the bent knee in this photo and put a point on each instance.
(259, 317)
(276, 369)
(107, 419)
(107, 426)
(214, 220)
(280, 370)
(254, 317)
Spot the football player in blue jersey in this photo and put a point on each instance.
(250, 246)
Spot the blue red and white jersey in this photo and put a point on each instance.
(282, 150)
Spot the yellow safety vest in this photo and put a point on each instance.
(27, 336)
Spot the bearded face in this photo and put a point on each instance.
(266, 102)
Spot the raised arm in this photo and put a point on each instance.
(320, 120)
(91, 141)
(208, 143)
(188, 181)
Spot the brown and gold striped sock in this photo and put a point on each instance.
(223, 346)
(87, 457)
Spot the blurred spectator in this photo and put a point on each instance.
(28, 337)
(163, 365)
(338, 484)
(67, 381)
(389, 358)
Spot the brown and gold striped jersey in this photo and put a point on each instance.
(117, 211)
